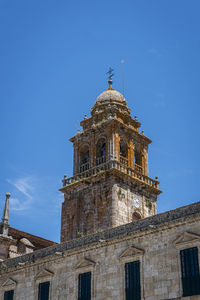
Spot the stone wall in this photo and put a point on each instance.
(155, 241)
(103, 201)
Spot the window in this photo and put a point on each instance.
(100, 152)
(84, 159)
(132, 280)
(190, 271)
(43, 292)
(123, 149)
(138, 158)
(136, 216)
(84, 286)
(8, 295)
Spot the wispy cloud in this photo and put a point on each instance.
(24, 189)
(23, 185)
(19, 205)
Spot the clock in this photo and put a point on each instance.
(136, 202)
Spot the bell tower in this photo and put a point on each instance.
(110, 185)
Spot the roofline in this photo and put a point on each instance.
(26, 234)
(143, 226)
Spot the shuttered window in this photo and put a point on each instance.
(190, 271)
(8, 295)
(84, 286)
(43, 291)
(132, 280)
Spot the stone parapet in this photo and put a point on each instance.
(141, 227)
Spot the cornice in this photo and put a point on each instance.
(152, 225)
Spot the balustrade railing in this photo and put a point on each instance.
(138, 168)
(111, 164)
(124, 160)
(84, 167)
(100, 160)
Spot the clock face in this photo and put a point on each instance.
(136, 202)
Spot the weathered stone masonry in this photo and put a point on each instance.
(155, 241)
(110, 184)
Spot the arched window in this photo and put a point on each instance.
(138, 158)
(138, 161)
(123, 152)
(101, 151)
(136, 216)
(84, 159)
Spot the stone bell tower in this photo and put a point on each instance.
(110, 184)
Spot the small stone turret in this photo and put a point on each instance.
(5, 217)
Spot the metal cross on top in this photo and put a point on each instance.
(111, 74)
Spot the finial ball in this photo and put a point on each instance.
(7, 195)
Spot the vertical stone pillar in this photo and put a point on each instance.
(91, 151)
(112, 145)
(131, 155)
(75, 160)
(116, 146)
(145, 161)
(109, 152)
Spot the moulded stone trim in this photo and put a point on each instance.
(44, 273)
(9, 283)
(131, 252)
(85, 262)
(186, 239)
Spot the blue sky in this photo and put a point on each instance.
(53, 59)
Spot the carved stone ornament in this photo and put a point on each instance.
(44, 273)
(84, 263)
(131, 252)
(9, 283)
(187, 239)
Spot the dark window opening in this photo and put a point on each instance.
(84, 286)
(132, 280)
(43, 292)
(190, 271)
(123, 149)
(138, 158)
(9, 295)
(136, 216)
(100, 152)
(84, 159)
(84, 155)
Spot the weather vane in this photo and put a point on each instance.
(111, 74)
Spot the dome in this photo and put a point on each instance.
(110, 95)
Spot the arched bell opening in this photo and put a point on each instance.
(138, 161)
(100, 151)
(84, 159)
(123, 152)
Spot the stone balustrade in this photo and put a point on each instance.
(112, 164)
(123, 160)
